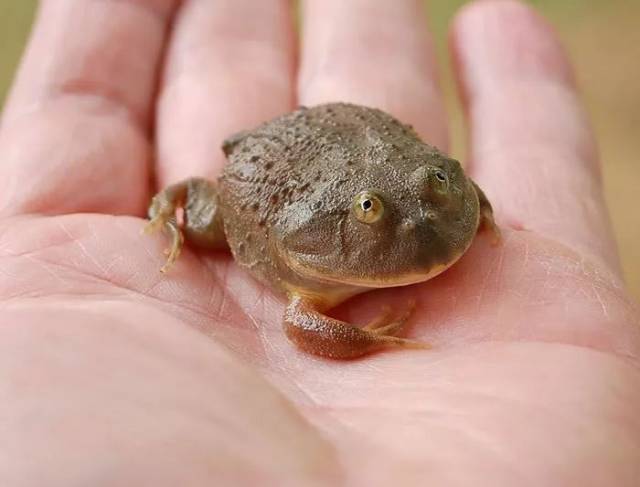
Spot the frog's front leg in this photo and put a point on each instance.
(315, 333)
(202, 225)
(487, 222)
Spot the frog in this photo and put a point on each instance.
(324, 203)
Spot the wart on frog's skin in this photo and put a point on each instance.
(325, 203)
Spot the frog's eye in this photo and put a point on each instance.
(440, 180)
(440, 175)
(368, 207)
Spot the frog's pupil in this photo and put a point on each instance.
(440, 176)
(366, 205)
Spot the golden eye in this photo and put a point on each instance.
(368, 207)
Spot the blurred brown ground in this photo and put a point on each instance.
(604, 42)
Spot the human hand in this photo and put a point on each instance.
(113, 374)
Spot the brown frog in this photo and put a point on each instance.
(325, 203)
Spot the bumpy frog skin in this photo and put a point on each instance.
(326, 203)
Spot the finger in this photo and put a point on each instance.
(230, 67)
(376, 53)
(532, 147)
(74, 133)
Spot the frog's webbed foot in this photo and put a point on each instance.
(383, 318)
(315, 333)
(162, 213)
(202, 219)
(487, 221)
(383, 325)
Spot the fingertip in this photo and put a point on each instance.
(496, 39)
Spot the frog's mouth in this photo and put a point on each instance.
(403, 279)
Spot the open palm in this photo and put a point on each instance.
(114, 374)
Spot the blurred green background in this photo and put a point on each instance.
(603, 37)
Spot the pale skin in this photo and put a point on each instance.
(114, 374)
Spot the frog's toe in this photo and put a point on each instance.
(394, 341)
(177, 241)
(152, 226)
(170, 225)
(391, 328)
(387, 333)
(383, 319)
(173, 256)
